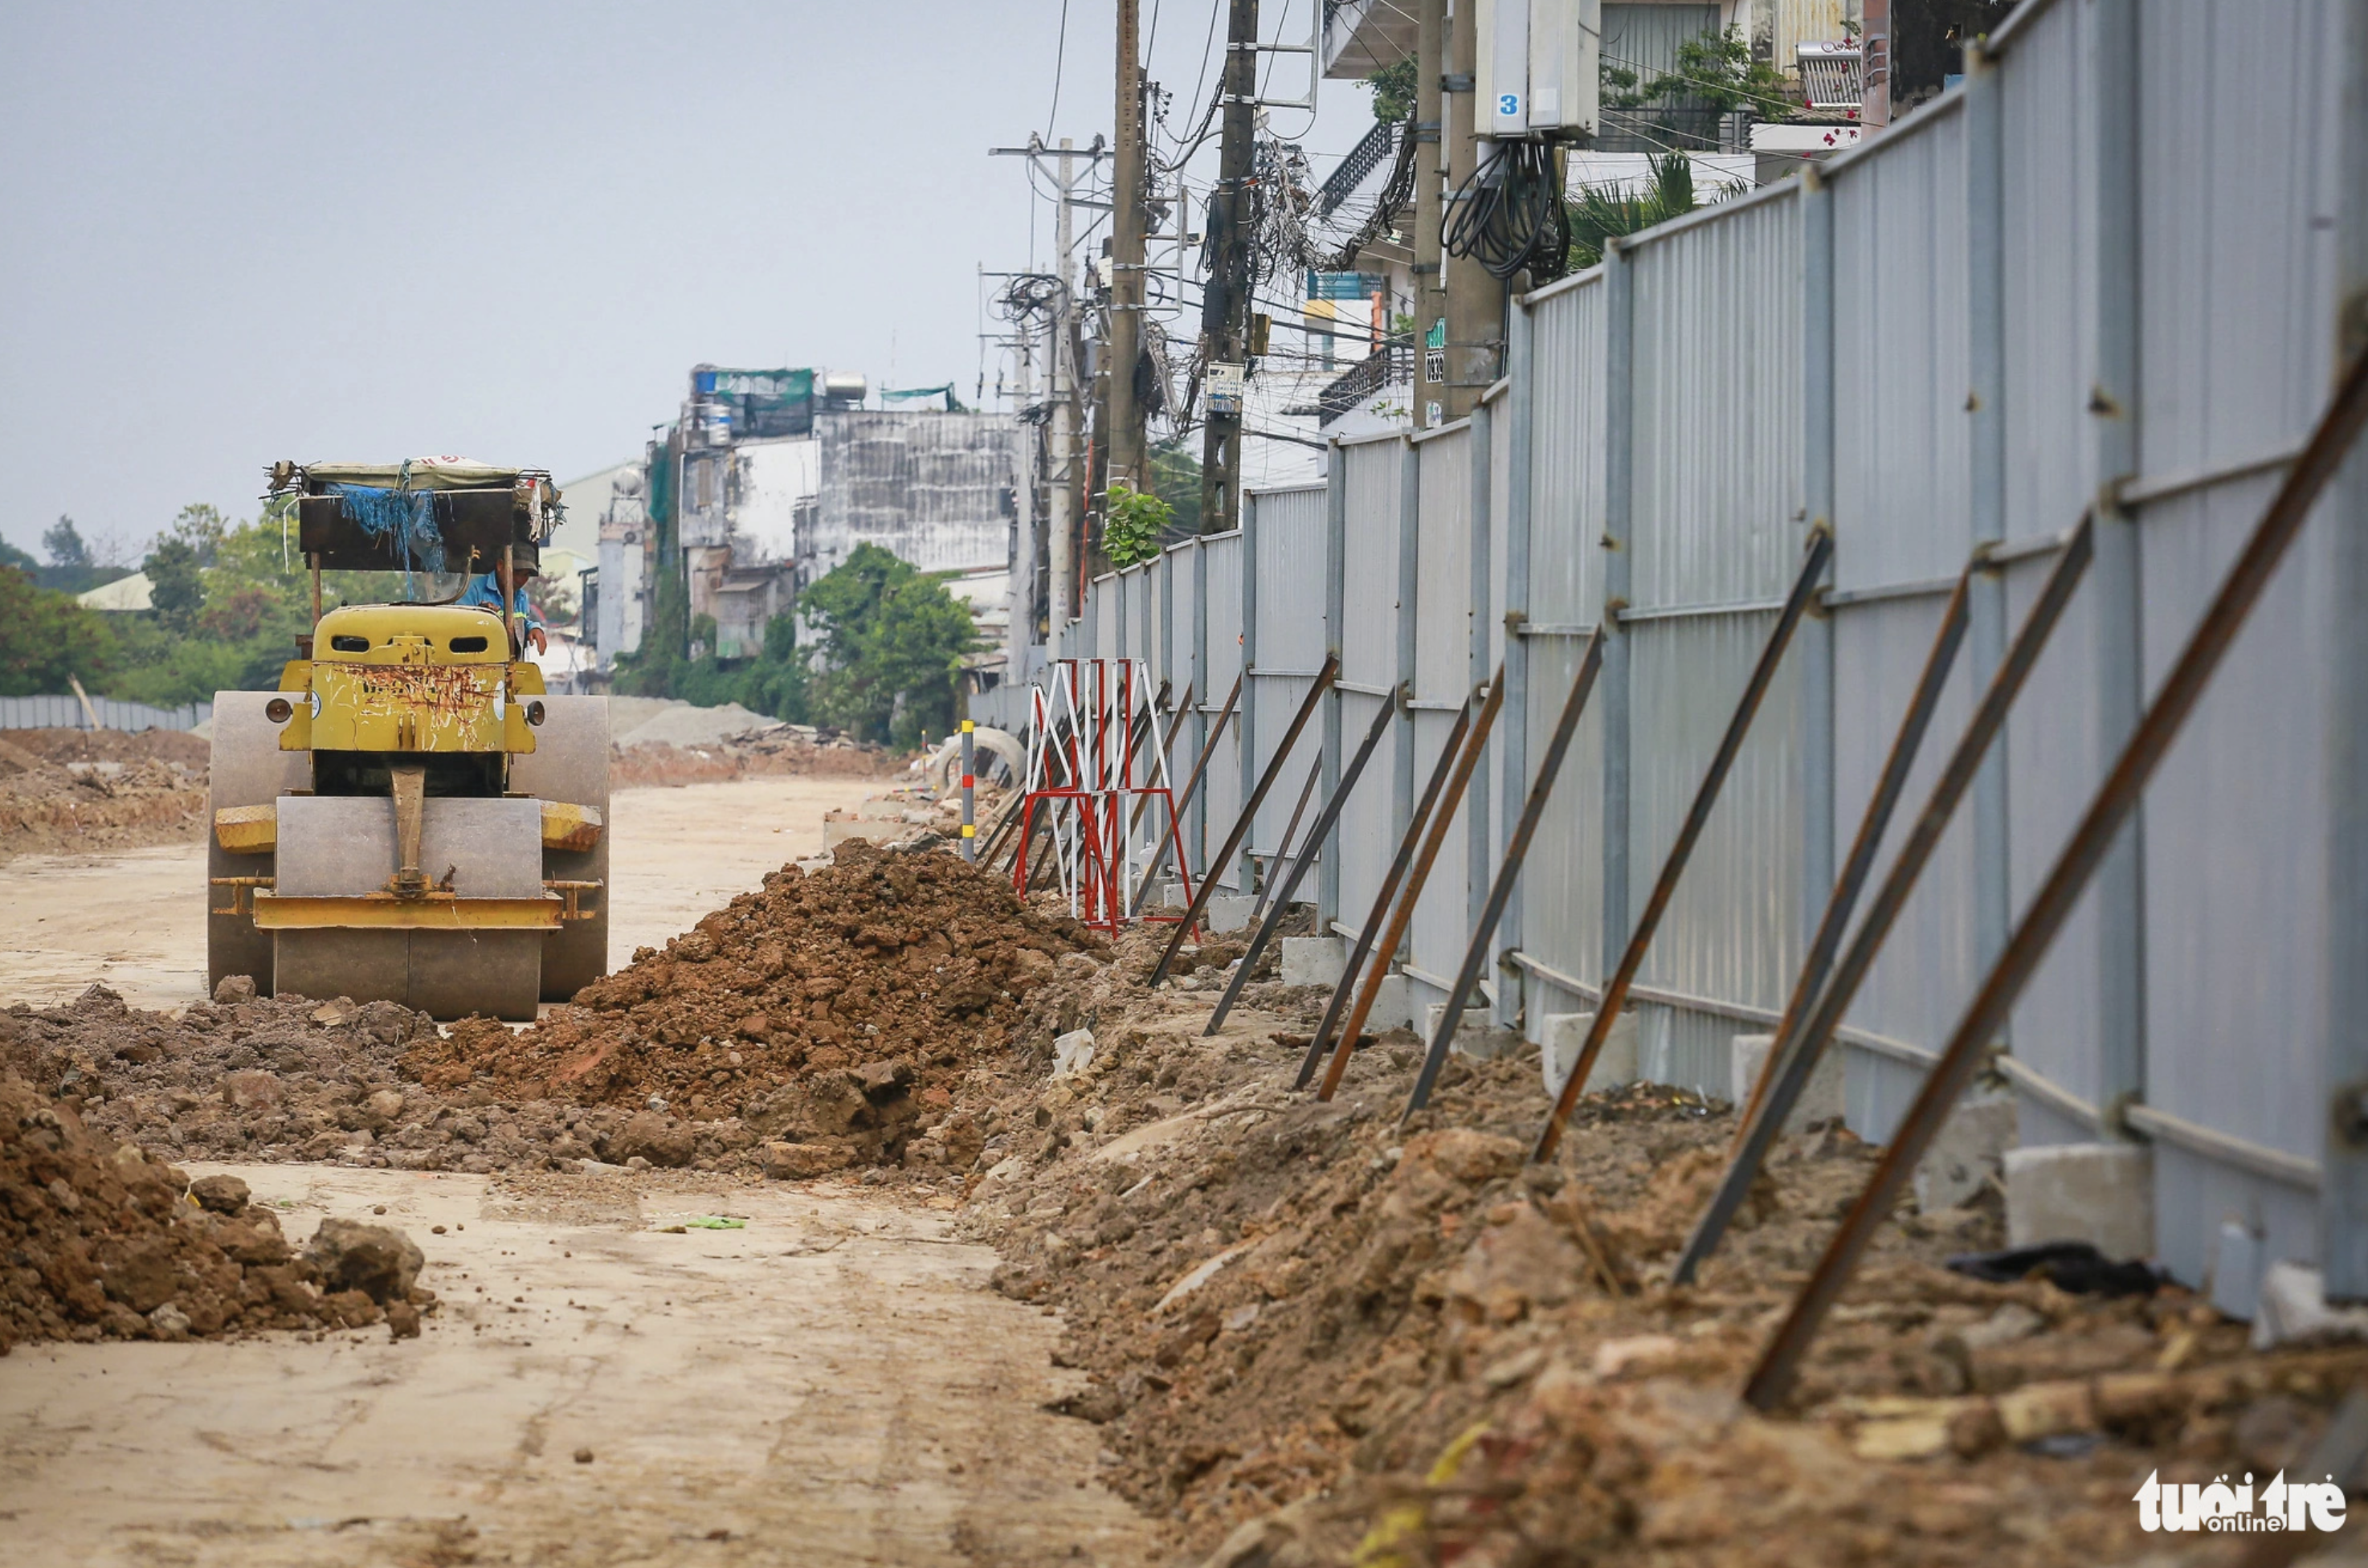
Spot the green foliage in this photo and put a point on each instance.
(893, 641)
(658, 667)
(1714, 71)
(11, 557)
(1133, 524)
(175, 592)
(46, 637)
(1176, 480)
(64, 543)
(1393, 87)
(1602, 214)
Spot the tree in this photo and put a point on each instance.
(64, 543)
(1135, 525)
(1393, 87)
(175, 590)
(10, 556)
(1714, 71)
(45, 637)
(892, 644)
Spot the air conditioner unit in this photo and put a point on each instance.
(1536, 68)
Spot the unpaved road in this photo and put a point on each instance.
(134, 919)
(833, 1384)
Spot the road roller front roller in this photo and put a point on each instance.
(411, 817)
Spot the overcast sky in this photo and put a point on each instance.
(235, 231)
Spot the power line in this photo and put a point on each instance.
(1060, 61)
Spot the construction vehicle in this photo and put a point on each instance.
(411, 817)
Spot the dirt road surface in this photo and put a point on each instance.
(833, 1384)
(134, 919)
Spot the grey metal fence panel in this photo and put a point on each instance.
(1102, 616)
(1443, 665)
(1926, 971)
(2235, 361)
(1178, 648)
(1135, 611)
(1365, 836)
(1291, 644)
(1369, 638)
(1900, 499)
(2050, 162)
(65, 712)
(1222, 787)
(1718, 408)
(1566, 457)
(2052, 764)
(1732, 932)
(1562, 898)
(1443, 618)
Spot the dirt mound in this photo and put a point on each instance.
(837, 1010)
(128, 746)
(656, 763)
(67, 790)
(286, 1078)
(1315, 1334)
(100, 1239)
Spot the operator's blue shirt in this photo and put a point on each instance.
(485, 590)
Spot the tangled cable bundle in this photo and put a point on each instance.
(1509, 215)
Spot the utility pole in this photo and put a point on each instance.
(1430, 282)
(1224, 303)
(1065, 472)
(1064, 477)
(1476, 300)
(1126, 457)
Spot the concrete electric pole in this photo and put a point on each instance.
(1126, 454)
(1475, 299)
(1430, 282)
(1225, 302)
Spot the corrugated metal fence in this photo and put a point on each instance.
(67, 713)
(1949, 343)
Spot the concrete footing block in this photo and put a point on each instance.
(1393, 1005)
(2293, 1309)
(1226, 913)
(1475, 1036)
(1968, 1153)
(2097, 1193)
(1564, 1034)
(1314, 960)
(2236, 1272)
(1821, 1099)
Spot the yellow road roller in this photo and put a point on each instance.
(410, 817)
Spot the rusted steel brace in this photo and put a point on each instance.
(1442, 818)
(1738, 725)
(1324, 678)
(1500, 892)
(1345, 987)
(2108, 813)
(1325, 819)
(1839, 905)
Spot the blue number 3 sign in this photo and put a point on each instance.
(1508, 105)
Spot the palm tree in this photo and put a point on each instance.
(1602, 213)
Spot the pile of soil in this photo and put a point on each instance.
(101, 1239)
(753, 756)
(1311, 1334)
(68, 790)
(831, 1016)
(287, 1078)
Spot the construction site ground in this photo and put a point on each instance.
(868, 1215)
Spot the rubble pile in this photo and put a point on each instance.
(827, 1021)
(1310, 1333)
(67, 790)
(791, 750)
(101, 1239)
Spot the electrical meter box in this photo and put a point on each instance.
(1537, 68)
